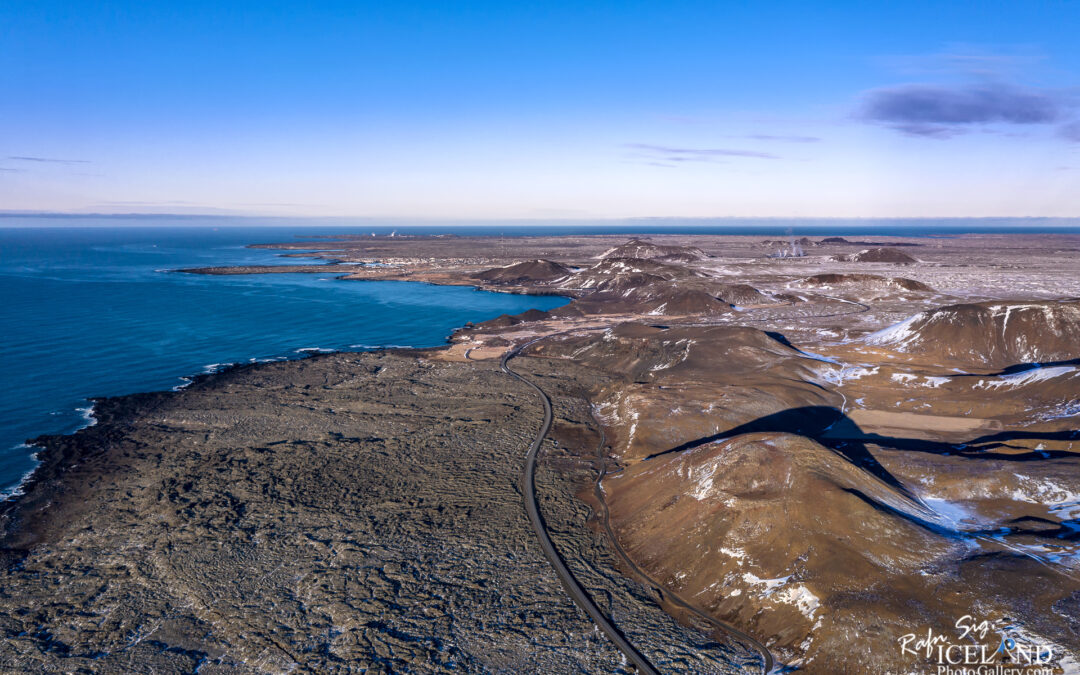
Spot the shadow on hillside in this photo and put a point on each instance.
(839, 433)
(833, 429)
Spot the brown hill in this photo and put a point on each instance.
(531, 271)
(507, 320)
(741, 294)
(642, 352)
(989, 334)
(750, 485)
(878, 255)
(647, 294)
(637, 285)
(805, 242)
(621, 283)
(870, 281)
(643, 248)
(610, 268)
(786, 538)
(687, 382)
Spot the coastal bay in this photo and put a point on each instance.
(100, 311)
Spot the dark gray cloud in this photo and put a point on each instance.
(787, 139)
(940, 111)
(664, 153)
(51, 160)
(928, 130)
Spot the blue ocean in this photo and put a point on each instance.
(97, 311)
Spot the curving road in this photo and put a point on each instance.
(572, 585)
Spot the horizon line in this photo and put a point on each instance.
(520, 219)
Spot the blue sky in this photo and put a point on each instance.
(541, 110)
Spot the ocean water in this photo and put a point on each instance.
(89, 312)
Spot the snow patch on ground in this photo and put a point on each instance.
(846, 374)
(1026, 377)
(1061, 411)
(607, 412)
(931, 381)
(736, 553)
(950, 514)
(703, 488)
(770, 584)
(634, 415)
(800, 596)
(676, 360)
(1043, 491)
(897, 334)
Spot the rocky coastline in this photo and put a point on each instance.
(346, 512)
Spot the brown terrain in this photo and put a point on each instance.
(879, 255)
(818, 454)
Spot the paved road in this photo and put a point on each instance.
(573, 587)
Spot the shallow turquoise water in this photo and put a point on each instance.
(90, 312)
